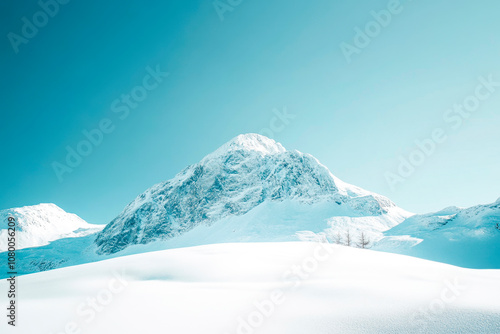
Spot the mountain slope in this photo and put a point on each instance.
(463, 237)
(38, 225)
(247, 172)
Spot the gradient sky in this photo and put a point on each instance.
(227, 77)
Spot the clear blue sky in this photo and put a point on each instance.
(226, 77)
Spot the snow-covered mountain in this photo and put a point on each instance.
(250, 189)
(38, 225)
(463, 237)
(253, 190)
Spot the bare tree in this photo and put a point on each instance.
(363, 242)
(348, 240)
(337, 238)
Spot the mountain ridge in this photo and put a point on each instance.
(467, 237)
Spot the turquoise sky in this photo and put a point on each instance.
(228, 77)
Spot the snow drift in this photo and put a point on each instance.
(291, 288)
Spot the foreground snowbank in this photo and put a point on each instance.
(259, 288)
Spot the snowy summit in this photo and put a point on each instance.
(250, 142)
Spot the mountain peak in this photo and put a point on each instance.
(252, 142)
(247, 172)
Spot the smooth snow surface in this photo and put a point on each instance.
(326, 289)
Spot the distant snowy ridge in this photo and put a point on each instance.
(238, 177)
(467, 237)
(37, 225)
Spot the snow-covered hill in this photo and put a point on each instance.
(463, 237)
(291, 288)
(249, 186)
(38, 225)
